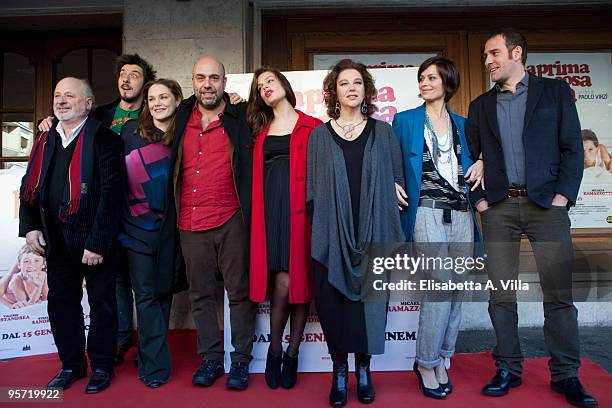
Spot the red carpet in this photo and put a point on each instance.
(393, 389)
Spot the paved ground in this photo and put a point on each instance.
(595, 343)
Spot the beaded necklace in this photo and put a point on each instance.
(438, 149)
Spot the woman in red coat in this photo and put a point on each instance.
(280, 230)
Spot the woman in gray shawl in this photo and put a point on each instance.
(354, 186)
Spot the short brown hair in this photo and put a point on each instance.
(259, 114)
(513, 39)
(448, 73)
(589, 136)
(329, 86)
(145, 121)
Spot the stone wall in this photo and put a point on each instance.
(171, 35)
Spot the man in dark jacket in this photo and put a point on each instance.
(132, 72)
(68, 212)
(212, 168)
(526, 128)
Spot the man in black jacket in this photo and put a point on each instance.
(132, 72)
(526, 128)
(68, 212)
(211, 189)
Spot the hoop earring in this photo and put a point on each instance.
(364, 107)
(337, 108)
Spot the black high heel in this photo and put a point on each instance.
(337, 394)
(289, 372)
(437, 393)
(273, 369)
(365, 388)
(447, 386)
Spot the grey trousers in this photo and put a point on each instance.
(220, 251)
(548, 231)
(440, 318)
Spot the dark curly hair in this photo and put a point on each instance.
(329, 86)
(260, 115)
(148, 72)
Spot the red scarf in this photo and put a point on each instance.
(80, 170)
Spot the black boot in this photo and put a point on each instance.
(273, 369)
(365, 388)
(337, 395)
(289, 373)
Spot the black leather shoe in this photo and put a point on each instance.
(575, 394)
(99, 381)
(238, 377)
(289, 373)
(273, 369)
(207, 373)
(501, 383)
(65, 378)
(365, 388)
(337, 394)
(437, 393)
(122, 350)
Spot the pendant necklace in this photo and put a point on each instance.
(349, 128)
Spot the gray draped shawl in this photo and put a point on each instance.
(329, 204)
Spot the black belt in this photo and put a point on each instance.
(443, 205)
(517, 192)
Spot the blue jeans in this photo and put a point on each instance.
(439, 319)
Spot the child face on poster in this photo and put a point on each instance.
(32, 268)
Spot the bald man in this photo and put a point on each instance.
(212, 162)
(68, 213)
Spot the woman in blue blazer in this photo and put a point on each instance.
(435, 155)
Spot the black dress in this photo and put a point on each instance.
(276, 201)
(343, 320)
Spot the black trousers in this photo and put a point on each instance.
(153, 317)
(125, 300)
(548, 231)
(65, 274)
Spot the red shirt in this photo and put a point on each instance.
(208, 193)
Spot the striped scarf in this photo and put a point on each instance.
(80, 171)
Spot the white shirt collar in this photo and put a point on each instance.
(66, 140)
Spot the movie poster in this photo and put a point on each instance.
(372, 61)
(589, 75)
